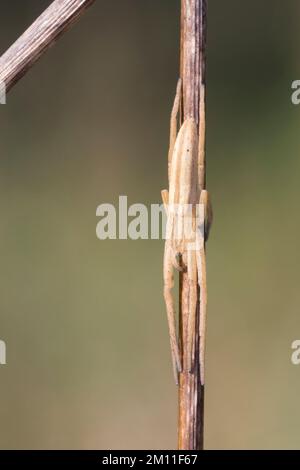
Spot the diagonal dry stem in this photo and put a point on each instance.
(42, 34)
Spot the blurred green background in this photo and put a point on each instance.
(84, 320)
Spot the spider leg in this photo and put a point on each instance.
(170, 260)
(193, 287)
(208, 212)
(165, 200)
(176, 258)
(170, 307)
(201, 268)
(173, 124)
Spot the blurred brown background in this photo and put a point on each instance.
(84, 320)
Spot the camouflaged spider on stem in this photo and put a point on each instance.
(187, 206)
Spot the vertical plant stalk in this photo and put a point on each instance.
(192, 72)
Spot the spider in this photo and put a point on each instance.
(189, 216)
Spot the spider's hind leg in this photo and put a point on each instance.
(202, 234)
(170, 307)
(193, 296)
